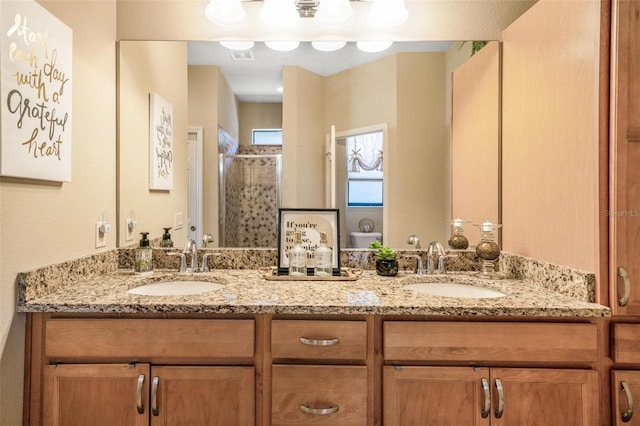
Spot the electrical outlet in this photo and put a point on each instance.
(101, 237)
(129, 228)
(179, 221)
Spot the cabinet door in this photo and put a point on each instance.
(625, 140)
(97, 395)
(203, 396)
(545, 397)
(626, 395)
(438, 396)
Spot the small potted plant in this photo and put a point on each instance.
(386, 259)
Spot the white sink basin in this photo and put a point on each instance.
(175, 288)
(455, 290)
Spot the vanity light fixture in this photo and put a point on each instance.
(282, 46)
(333, 12)
(373, 46)
(225, 12)
(237, 44)
(279, 12)
(386, 14)
(328, 45)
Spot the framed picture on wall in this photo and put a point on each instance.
(310, 222)
(160, 143)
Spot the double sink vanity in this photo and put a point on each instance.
(230, 347)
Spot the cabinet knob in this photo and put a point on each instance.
(627, 415)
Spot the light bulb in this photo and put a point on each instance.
(225, 12)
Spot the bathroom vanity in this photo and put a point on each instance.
(363, 352)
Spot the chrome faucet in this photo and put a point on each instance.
(434, 248)
(418, 270)
(413, 239)
(192, 248)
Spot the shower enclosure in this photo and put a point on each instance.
(250, 196)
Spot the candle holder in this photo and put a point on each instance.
(488, 251)
(458, 241)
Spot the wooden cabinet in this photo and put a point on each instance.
(625, 156)
(625, 394)
(125, 371)
(416, 394)
(482, 396)
(141, 394)
(96, 394)
(319, 372)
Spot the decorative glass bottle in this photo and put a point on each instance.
(144, 255)
(458, 241)
(297, 257)
(323, 258)
(488, 251)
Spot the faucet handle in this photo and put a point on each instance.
(183, 260)
(441, 259)
(419, 269)
(205, 264)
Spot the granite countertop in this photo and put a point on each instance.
(246, 291)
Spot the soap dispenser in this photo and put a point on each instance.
(297, 257)
(144, 255)
(323, 258)
(166, 238)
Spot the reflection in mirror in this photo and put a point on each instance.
(405, 90)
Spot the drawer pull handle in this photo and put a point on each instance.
(627, 415)
(627, 287)
(486, 410)
(319, 342)
(139, 403)
(500, 410)
(154, 396)
(319, 411)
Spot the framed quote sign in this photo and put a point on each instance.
(35, 90)
(310, 222)
(160, 143)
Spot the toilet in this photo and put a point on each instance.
(362, 239)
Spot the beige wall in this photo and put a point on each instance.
(475, 136)
(303, 139)
(142, 70)
(211, 104)
(43, 223)
(550, 131)
(258, 115)
(406, 92)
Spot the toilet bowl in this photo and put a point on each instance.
(362, 239)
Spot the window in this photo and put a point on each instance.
(266, 136)
(364, 170)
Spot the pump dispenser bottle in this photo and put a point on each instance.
(297, 257)
(144, 255)
(323, 258)
(166, 238)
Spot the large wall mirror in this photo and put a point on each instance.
(405, 91)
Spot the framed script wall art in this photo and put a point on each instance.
(160, 143)
(310, 222)
(35, 93)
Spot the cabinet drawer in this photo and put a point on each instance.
(143, 339)
(626, 343)
(325, 340)
(323, 395)
(490, 341)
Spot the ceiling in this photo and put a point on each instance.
(257, 80)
